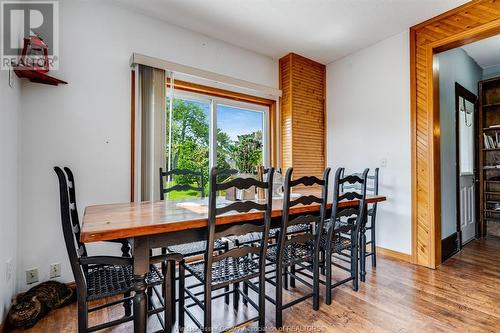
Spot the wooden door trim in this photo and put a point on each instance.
(454, 28)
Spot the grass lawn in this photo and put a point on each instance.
(177, 195)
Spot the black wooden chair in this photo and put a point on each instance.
(193, 248)
(371, 189)
(297, 249)
(342, 231)
(219, 270)
(97, 277)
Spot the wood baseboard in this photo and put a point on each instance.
(394, 254)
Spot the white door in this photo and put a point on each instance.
(466, 152)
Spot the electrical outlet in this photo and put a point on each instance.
(55, 270)
(9, 268)
(383, 162)
(32, 275)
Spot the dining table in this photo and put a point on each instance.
(158, 224)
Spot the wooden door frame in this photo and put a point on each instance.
(468, 23)
(461, 91)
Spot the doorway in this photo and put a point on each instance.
(426, 39)
(467, 164)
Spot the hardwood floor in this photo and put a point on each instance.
(462, 295)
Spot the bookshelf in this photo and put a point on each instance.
(489, 157)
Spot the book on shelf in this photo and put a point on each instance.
(488, 167)
(491, 142)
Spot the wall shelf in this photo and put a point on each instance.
(36, 76)
(492, 105)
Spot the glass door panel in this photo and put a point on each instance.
(240, 137)
(187, 143)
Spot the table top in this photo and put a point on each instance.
(134, 219)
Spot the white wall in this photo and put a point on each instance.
(9, 116)
(368, 120)
(86, 124)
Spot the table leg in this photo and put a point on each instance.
(141, 268)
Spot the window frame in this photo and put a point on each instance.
(180, 85)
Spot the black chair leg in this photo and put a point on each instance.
(362, 256)
(262, 302)
(182, 286)
(150, 297)
(354, 262)
(374, 247)
(167, 281)
(127, 305)
(322, 260)
(236, 296)
(316, 283)
(292, 279)
(279, 297)
(82, 315)
(207, 309)
(226, 297)
(245, 291)
(328, 277)
(284, 274)
(173, 287)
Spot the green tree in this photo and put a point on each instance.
(190, 129)
(247, 152)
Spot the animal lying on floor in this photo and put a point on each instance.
(28, 308)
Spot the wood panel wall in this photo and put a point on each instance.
(302, 82)
(470, 22)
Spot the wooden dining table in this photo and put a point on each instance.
(159, 224)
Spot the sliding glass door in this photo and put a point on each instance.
(204, 131)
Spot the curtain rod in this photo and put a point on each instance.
(140, 59)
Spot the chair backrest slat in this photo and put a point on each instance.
(341, 192)
(181, 187)
(317, 221)
(371, 185)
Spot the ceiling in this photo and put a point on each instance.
(486, 52)
(323, 30)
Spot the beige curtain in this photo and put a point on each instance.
(152, 130)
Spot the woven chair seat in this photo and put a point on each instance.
(227, 270)
(195, 248)
(340, 243)
(256, 236)
(294, 253)
(110, 280)
(294, 229)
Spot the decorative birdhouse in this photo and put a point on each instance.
(34, 62)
